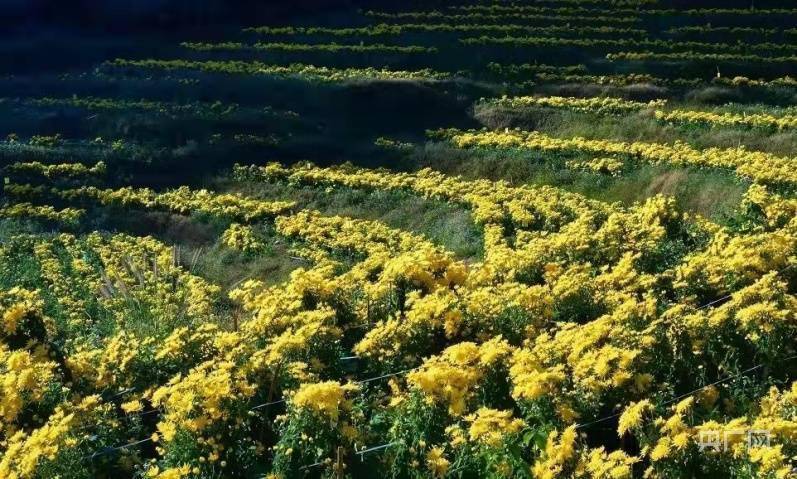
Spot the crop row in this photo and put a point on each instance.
(57, 170)
(538, 73)
(210, 110)
(606, 44)
(181, 200)
(701, 31)
(615, 106)
(305, 72)
(309, 47)
(752, 120)
(497, 8)
(600, 105)
(544, 19)
(28, 211)
(699, 57)
(399, 29)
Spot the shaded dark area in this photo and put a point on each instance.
(149, 15)
(58, 49)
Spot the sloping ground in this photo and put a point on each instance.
(511, 256)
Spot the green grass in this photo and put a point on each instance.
(228, 268)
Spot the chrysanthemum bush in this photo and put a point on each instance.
(386, 354)
(688, 437)
(242, 238)
(319, 427)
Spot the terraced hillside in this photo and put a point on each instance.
(542, 239)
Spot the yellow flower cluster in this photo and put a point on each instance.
(58, 170)
(242, 238)
(64, 280)
(562, 459)
(17, 304)
(452, 377)
(607, 166)
(752, 120)
(182, 200)
(679, 435)
(730, 261)
(776, 210)
(632, 416)
(599, 105)
(436, 462)
(24, 452)
(490, 426)
(196, 401)
(68, 216)
(24, 379)
(326, 398)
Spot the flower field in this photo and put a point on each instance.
(538, 240)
